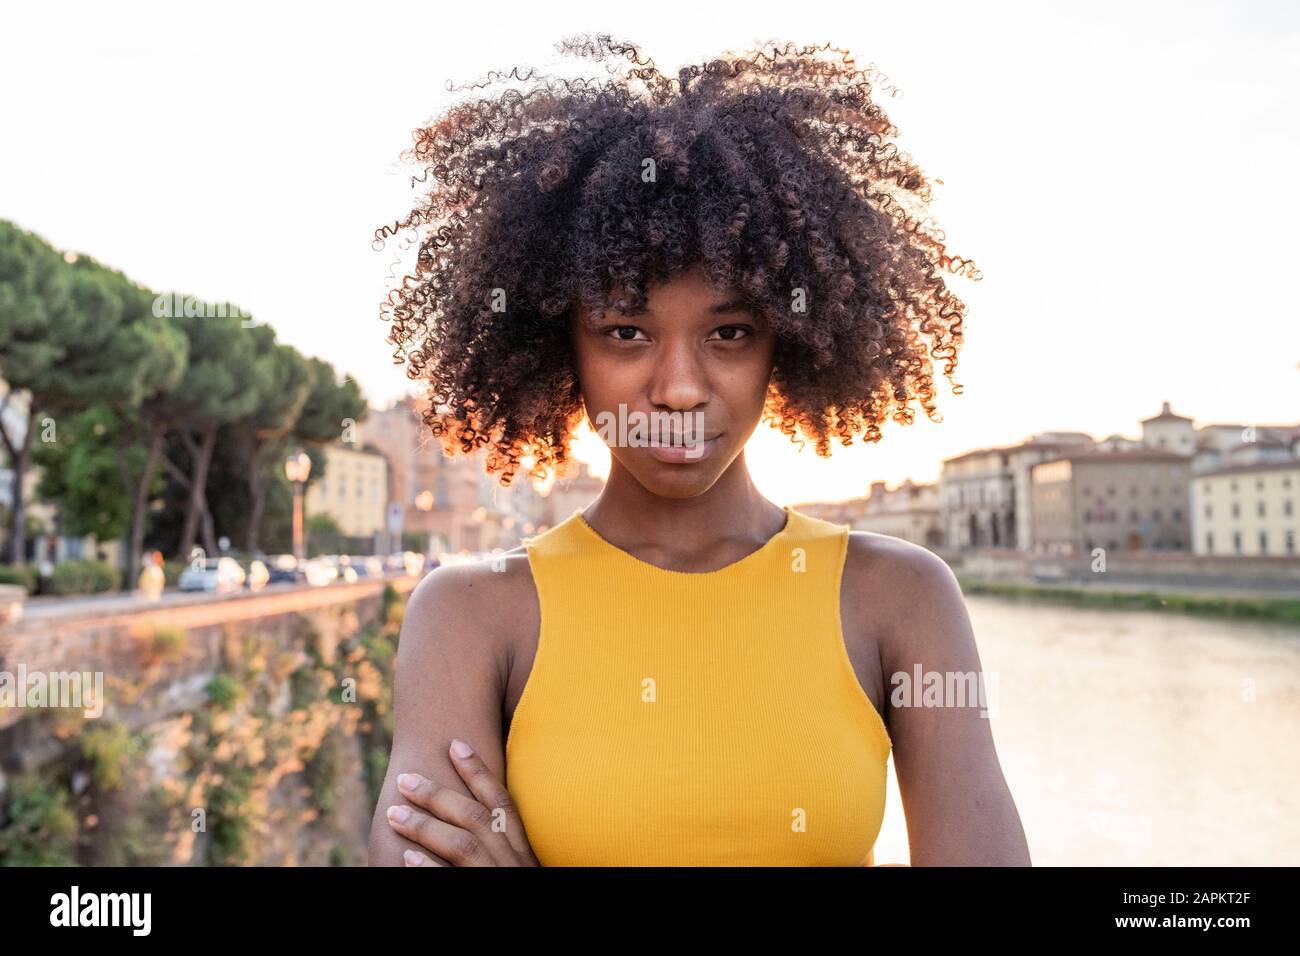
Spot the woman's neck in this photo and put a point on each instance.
(723, 524)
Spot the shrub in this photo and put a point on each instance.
(84, 577)
(24, 575)
(231, 819)
(172, 572)
(168, 644)
(224, 691)
(40, 829)
(108, 748)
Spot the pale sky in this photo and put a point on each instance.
(1123, 175)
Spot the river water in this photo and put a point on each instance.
(1139, 738)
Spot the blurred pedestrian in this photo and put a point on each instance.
(152, 579)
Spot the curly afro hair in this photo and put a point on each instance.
(775, 172)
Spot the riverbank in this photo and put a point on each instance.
(1284, 610)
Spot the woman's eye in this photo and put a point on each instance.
(624, 333)
(732, 333)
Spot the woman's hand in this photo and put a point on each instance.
(481, 831)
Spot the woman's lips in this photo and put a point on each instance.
(683, 454)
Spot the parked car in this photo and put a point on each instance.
(217, 575)
(291, 575)
(283, 569)
(258, 576)
(346, 571)
(319, 572)
(367, 566)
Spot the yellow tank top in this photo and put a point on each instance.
(695, 719)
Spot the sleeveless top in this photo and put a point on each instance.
(695, 719)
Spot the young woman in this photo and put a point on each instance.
(682, 673)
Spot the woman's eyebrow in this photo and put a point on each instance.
(731, 305)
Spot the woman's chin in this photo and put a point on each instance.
(672, 480)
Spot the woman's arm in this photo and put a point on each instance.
(449, 680)
(959, 809)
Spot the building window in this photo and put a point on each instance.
(1208, 488)
(1263, 542)
(1110, 492)
(1290, 542)
(1286, 507)
(1209, 542)
(1155, 515)
(1236, 510)
(1233, 486)
(1209, 512)
(1259, 508)
(1236, 541)
(1178, 514)
(1155, 489)
(1259, 484)
(1133, 515)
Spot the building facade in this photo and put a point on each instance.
(849, 511)
(910, 511)
(1117, 500)
(1169, 432)
(452, 503)
(353, 490)
(1247, 509)
(985, 494)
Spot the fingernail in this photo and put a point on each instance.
(413, 859)
(398, 814)
(409, 781)
(461, 749)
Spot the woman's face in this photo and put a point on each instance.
(691, 371)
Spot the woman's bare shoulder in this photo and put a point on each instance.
(478, 600)
(888, 560)
(894, 583)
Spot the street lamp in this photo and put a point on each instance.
(296, 468)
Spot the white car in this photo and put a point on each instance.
(216, 575)
(346, 572)
(258, 575)
(367, 566)
(319, 572)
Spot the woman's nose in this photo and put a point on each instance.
(680, 380)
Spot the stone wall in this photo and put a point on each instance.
(1228, 575)
(251, 729)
